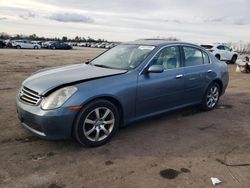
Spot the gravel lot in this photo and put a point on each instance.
(182, 149)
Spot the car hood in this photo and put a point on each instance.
(48, 79)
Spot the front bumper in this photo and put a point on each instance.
(49, 124)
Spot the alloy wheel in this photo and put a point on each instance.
(212, 96)
(98, 124)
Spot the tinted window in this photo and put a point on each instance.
(168, 57)
(205, 58)
(221, 48)
(226, 48)
(193, 57)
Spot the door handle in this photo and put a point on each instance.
(179, 76)
(209, 71)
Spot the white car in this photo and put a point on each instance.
(82, 44)
(222, 52)
(25, 44)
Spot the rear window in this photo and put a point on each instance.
(207, 46)
(193, 57)
(205, 58)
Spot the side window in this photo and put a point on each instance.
(168, 57)
(193, 57)
(205, 58)
(226, 48)
(221, 48)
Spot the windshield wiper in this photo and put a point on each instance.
(103, 66)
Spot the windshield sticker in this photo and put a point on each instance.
(146, 47)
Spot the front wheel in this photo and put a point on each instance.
(218, 56)
(211, 97)
(96, 123)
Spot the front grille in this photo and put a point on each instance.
(29, 96)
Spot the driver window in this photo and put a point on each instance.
(221, 48)
(168, 57)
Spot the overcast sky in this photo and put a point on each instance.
(125, 20)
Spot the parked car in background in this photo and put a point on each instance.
(60, 45)
(102, 45)
(110, 45)
(129, 82)
(37, 42)
(82, 44)
(93, 45)
(8, 43)
(46, 44)
(72, 43)
(222, 52)
(26, 44)
(2, 44)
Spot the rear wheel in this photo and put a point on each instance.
(211, 97)
(35, 47)
(96, 123)
(234, 58)
(18, 47)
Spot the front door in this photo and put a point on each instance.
(158, 92)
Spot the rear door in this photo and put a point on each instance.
(228, 53)
(223, 52)
(30, 45)
(197, 73)
(161, 91)
(25, 44)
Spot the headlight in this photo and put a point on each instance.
(58, 98)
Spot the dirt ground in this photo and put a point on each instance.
(181, 149)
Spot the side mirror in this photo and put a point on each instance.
(87, 61)
(231, 49)
(156, 69)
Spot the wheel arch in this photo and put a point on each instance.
(218, 56)
(116, 102)
(220, 83)
(111, 99)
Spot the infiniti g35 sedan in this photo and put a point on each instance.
(129, 82)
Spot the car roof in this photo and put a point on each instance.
(158, 42)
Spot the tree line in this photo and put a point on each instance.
(34, 37)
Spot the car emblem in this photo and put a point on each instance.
(21, 94)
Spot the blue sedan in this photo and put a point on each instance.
(129, 82)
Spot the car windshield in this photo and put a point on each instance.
(123, 57)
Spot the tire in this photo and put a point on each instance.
(218, 56)
(234, 58)
(89, 130)
(211, 97)
(53, 48)
(18, 47)
(35, 47)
